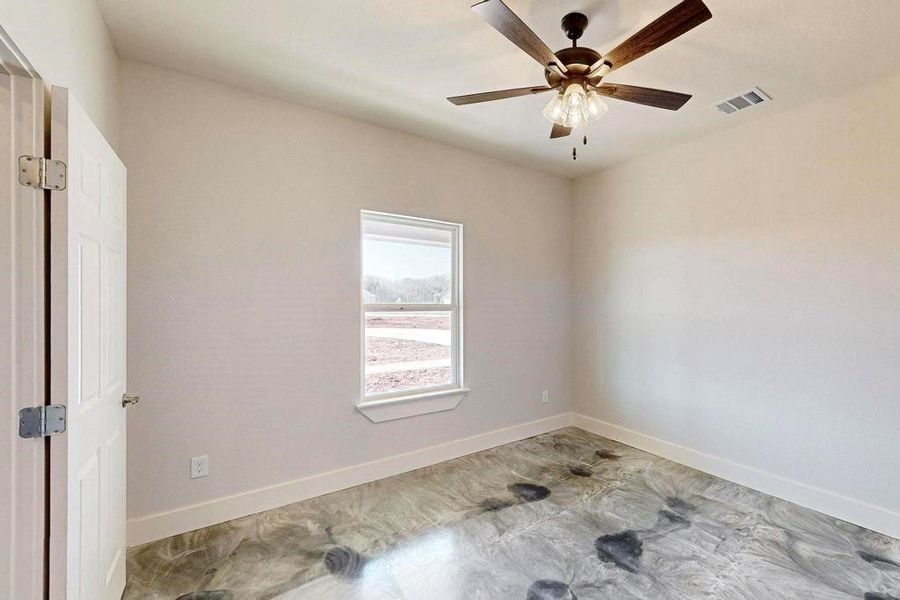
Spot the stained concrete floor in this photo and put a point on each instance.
(564, 515)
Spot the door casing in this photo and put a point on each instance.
(23, 331)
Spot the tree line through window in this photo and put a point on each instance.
(434, 289)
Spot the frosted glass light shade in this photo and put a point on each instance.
(555, 110)
(595, 105)
(575, 107)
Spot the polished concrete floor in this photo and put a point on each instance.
(565, 515)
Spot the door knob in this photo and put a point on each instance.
(127, 399)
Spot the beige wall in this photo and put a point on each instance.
(740, 295)
(68, 43)
(243, 298)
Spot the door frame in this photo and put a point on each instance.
(58, 376)
(23, 332)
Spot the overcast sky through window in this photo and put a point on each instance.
(397, 260)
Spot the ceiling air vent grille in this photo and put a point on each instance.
(743, 101)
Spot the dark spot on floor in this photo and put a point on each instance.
(676, 503)
(874, 558)
(607, 455)
(344, 562)
(878, 596)
(210, 571)
(623, 549)
(580, 471)
(529, 492)
(208, 595)
(494, 504)
(548, 589)
(673, 517)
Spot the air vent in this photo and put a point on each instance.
(743, 101)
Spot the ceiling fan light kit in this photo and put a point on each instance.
(576, 74)
(575, 107)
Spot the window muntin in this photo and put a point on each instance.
(411, 310)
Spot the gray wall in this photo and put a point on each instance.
(68, 43)
(243, 297)
(740, 295)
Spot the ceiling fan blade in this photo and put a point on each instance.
(679, 20)
(642, 95)
(501, 18)
(497, 95)
(559, 131)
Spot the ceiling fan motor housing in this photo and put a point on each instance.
(578, 61)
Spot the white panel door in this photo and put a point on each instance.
(87, 315)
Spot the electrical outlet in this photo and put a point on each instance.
(199, 466)
(545, 397)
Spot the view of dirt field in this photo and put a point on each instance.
(408, 320)
(398, 358)
(404, 380)
(389, 350)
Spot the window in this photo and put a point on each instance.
(411, 307)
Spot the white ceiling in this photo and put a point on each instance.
(393, 63)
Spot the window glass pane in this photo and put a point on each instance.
(406, 350)
(406, 264)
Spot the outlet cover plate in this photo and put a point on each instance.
(199, 466)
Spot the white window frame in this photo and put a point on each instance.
(386, 406)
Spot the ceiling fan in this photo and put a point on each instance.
(576, 74)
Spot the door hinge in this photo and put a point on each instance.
(42, 173)
(42, 421)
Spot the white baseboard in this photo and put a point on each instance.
(162, 525)
(165, 524)
(848, 509)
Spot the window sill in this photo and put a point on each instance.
(401, 407)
